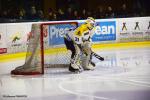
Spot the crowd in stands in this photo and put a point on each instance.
(70, 13)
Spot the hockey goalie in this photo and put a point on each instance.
(79, 42)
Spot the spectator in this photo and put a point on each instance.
(60, 14)
(100, 13)
(89, 13)
(83, 14)
(109, 12)
(136, 8)
(32, 14)
(22, 14)
(75, 15)
(41, 15)
(123, 13)
(69, 14)
(52, 15)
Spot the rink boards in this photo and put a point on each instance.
(95, 47)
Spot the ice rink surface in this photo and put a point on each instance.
(124, 75)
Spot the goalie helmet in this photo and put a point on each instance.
(90, 22)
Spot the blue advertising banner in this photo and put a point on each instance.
(105, 31)
(57, 32)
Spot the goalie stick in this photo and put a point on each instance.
(97, 56)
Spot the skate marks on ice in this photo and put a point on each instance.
(106, 89)
(125, 61)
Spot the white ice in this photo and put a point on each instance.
(124, 75)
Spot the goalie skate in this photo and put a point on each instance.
(74, 68)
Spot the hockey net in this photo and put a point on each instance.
(46, 48)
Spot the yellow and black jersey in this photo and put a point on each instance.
(81, 30)
(82, 33)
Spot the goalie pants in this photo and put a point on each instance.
(70, 46)
(87, 56)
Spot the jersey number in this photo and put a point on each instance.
(76, 39)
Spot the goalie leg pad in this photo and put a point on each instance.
(86, 48)
(86, 58)
(86, 63)
(75, 65)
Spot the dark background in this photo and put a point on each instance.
(47, 10)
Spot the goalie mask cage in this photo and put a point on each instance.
(46, 48)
